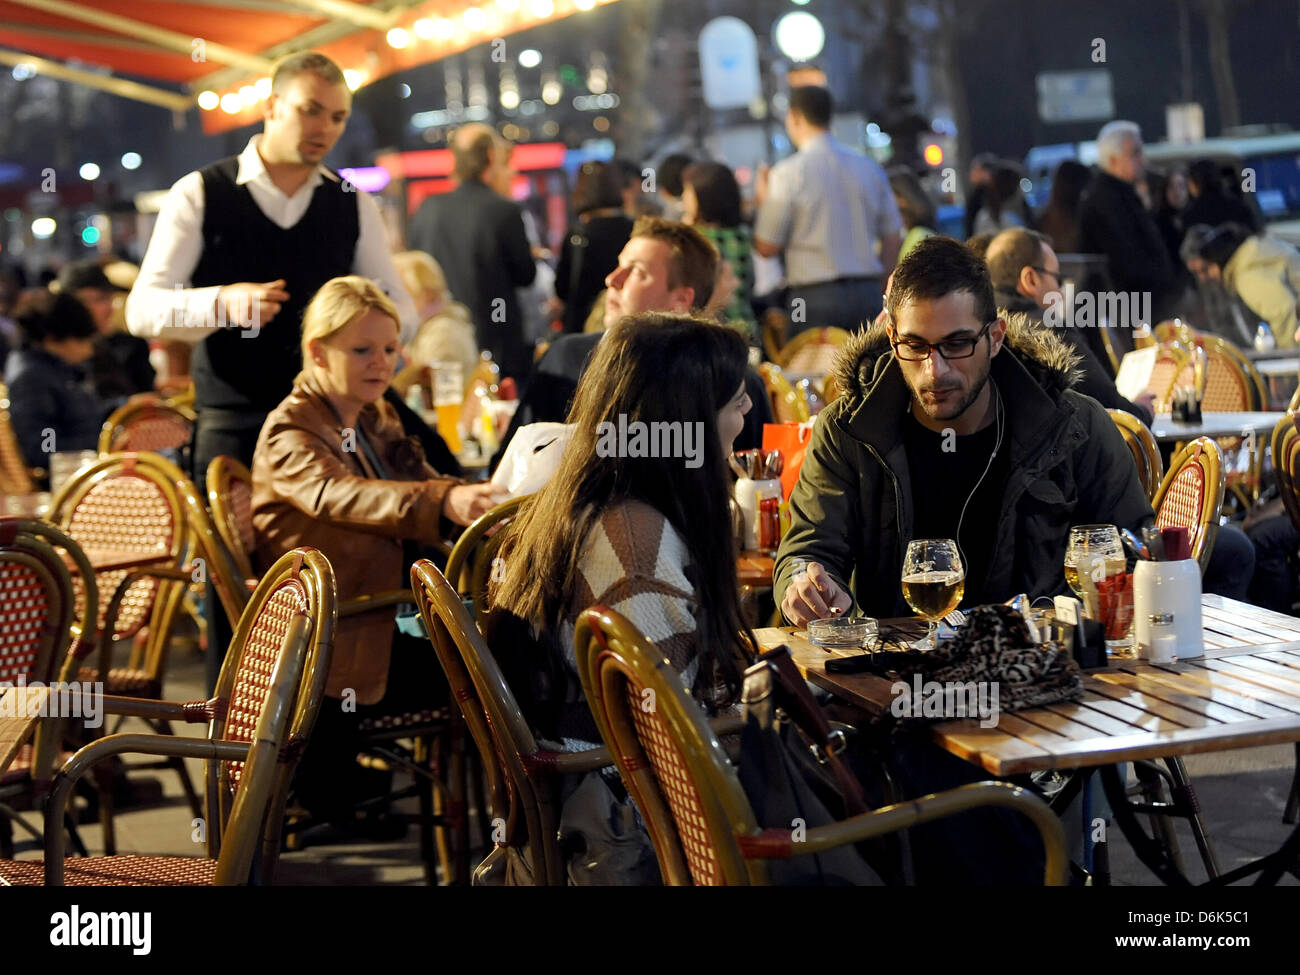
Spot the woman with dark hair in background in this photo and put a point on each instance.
(914, 206)
(712, 199)
(1060, 219)
(51, 402)
(649, 537)
(591, 249)
(1004, 201)
(1262, 271)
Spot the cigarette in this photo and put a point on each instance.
(835, 611)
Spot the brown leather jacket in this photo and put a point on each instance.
(313, 485)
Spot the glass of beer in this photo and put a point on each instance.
(1094, 550)
(934, 581)
(448, 394)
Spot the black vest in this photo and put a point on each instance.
(232, 369)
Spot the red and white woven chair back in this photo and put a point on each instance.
(257, 664)
(154, 428)
(678, 789)
(24, 616)
(124, 514)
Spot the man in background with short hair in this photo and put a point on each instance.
(666, 267)
(830, 214)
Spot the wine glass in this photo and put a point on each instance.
(934, 581)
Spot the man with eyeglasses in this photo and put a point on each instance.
(241, 246)
(1027, 279)
(953, 423)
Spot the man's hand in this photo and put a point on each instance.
(1148, 400)
(465, 502)
(813, 595)
(251, 305)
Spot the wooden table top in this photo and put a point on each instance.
(108, 560)
(20, 709)
(1215, 425)
(1288, 366)
(1244, 691)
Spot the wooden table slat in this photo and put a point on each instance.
(1248, 611)
(1248, 629)
(1193, 699)
(1277, 674)
(1101, 721)
(1197, 681)
(1284, 693)
(1070, 722)
(1158, 709)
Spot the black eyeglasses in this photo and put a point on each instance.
(1044, 270)
(914, 350)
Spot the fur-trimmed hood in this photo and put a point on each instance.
(1050, 360)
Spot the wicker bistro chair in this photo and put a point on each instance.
(15, 476)
(1146, 453)
(473, 558)
(259, 723)
(813, 351)
(147, 422)
(1170, 360)
(384, 739)
(138, 520)
(787, 405)
(699, 818)
(1191, 495)
(36, 605)
(230, 500)
(1286, 464)
(1230, 387)
(522, 777)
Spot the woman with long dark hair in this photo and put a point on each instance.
(648, 536)
(1060, 219)
(591, 249)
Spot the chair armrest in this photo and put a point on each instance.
(375, 600)
(190, 712)
(779, 843)
(66, 779)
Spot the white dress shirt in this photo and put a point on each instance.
(163, 305)
(828, 208)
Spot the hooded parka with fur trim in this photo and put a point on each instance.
(852, 506)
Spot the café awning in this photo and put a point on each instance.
(213, 52)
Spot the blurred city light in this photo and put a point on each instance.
(353, 78)
(90, 236)
(208, 100)
(474, 19)
(542, 8)
(423, 28)
(933, 154)
(89, 171)
(403, 91)
(530, 58)
(43, 227)
(131, 160)
(398, 37)
(22, 72)
(800, 36)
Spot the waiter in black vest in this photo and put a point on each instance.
(240, 247)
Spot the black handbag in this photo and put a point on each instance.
(793, 770)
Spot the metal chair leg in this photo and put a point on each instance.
(425, 795)
(1185, 797)
(1150, 786)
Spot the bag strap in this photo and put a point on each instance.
(791, 694)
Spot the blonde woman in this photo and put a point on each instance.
(446, 333)
(334, 470)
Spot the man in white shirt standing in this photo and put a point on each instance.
(241, 246)
(830, 214)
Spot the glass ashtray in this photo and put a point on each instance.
(839, 632)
